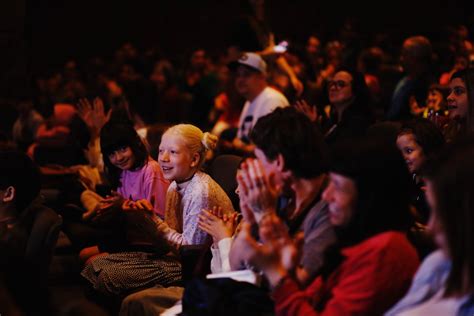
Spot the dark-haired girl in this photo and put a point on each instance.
(133, 174)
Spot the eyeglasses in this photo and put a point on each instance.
(338, 84)
(458, 90)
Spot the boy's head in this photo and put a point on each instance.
(19, 180)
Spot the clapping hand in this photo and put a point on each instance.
(277, 256)
(259, 193)
(309, 110)
(217, 224)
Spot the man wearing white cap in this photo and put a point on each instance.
(250, 81)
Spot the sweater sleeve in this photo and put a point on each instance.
(365, 284)
(291, 300)
(205, 195)
(171, 236)
(155, 188)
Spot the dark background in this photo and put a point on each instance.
(39, 34)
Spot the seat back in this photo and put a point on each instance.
(223, 169)
(43, 235)
(195, 261)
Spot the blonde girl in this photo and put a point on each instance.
(182, 153)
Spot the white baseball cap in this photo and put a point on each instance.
(251, 60)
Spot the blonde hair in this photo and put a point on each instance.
(196, 140)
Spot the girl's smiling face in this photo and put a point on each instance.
(412, 152)
(123, 158)
(176, 160)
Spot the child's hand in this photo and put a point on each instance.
(140, 205)
(108, 207)
(113, 199)
(218, 228)
(142, 209)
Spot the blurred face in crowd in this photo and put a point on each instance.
(434, 100)
(341, 196)
(313, 46)
(458, 103)
(461, 63)
(412, 152)
(406, 56)
(128, 73)
(435, 226)
(248, 82)
(198, 60)
(340, 89)
(158, 76)
(270, 167)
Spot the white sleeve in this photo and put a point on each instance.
(224, 250)
(216, 265)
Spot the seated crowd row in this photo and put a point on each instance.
(333, 209)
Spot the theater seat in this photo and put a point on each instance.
(44, 232)
(223, 169)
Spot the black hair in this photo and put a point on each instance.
(383, 187)
(467, 76)
(383, 193)
(116, 135)
(363, 102)
(290, 133)
(427, 135)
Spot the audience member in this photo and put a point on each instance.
(368, 197)
(444, 283)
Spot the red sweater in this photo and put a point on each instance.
(375, 275)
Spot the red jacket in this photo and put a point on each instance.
(375, 275)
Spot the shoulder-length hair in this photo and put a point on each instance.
(383, 188)
(451, 174)
(115, 135)
(467, 76)
(363, 101)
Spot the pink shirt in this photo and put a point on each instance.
(145, 183)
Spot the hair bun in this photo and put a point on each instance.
(209, 141)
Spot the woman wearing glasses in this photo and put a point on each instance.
(350, 112)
